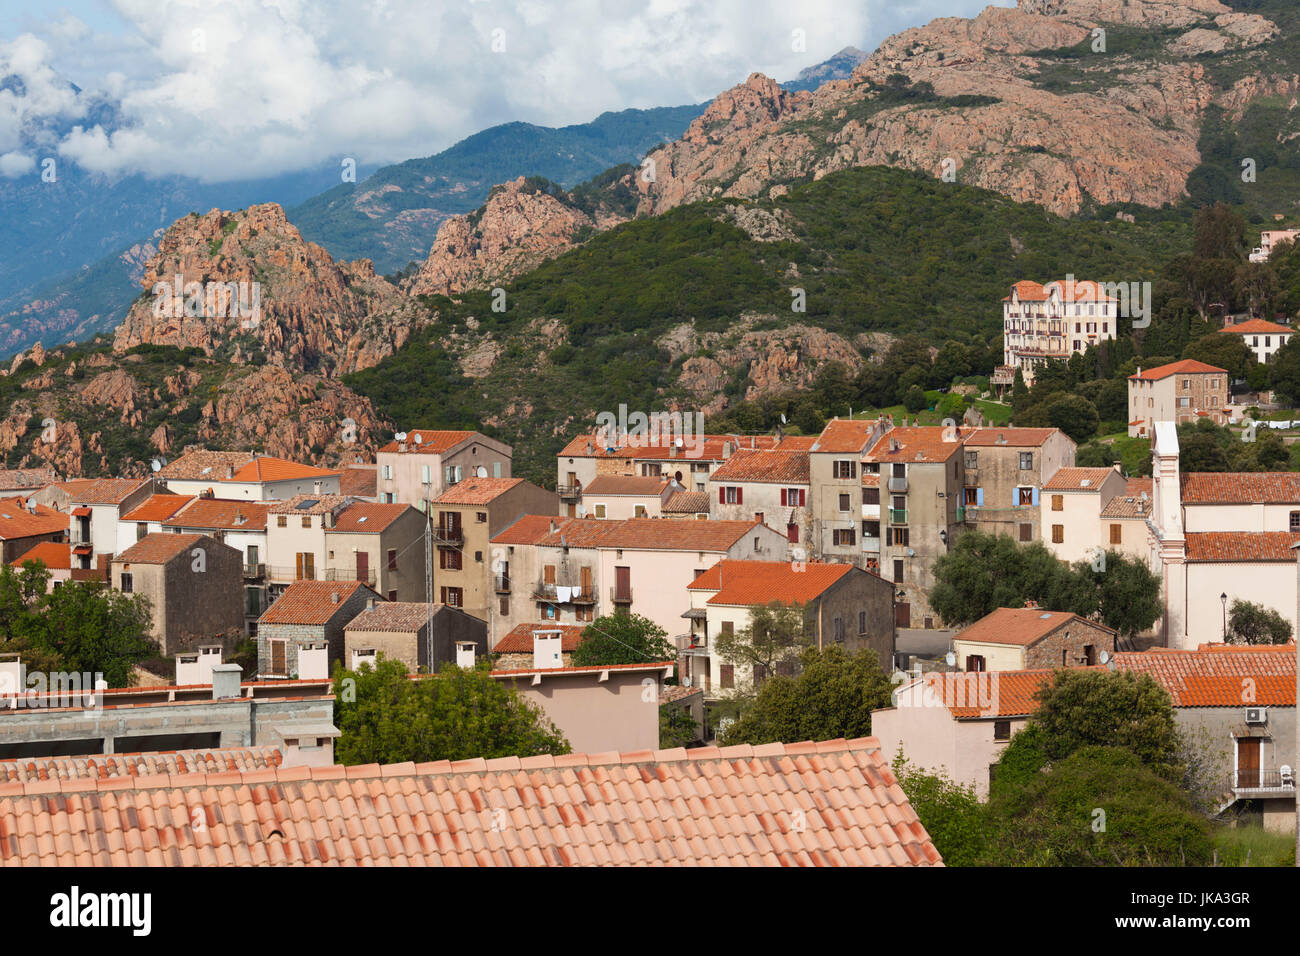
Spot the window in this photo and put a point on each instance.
(424, 474)
(281, 521)
(1187, 384)
(392, 559)
(480, 517)
(760, 673)
(388, 471)
(731, 495)
(757, 545)
(974, 663)
(871, 496)
(1058, 534)
(1001, 730)
(728, 676)
(843, 536)
(728, 627)
(449, 559)
(971, 496)
(126, 585)
(1117, 530)
(862, 622)
(839, 630)
(141, 529)
(898, 537)
(792, 497)
(1058, 502)
(1026, 532)
(504, 606)
(844, 469)
(972, 459)
(600, 511)
(844, 503)
(1025, 496)
(1184, 403)
(392, 595)
(277, 650)
(898, 570)
(453, 597)
(1026, 461)
(306, 521)
(1295, 521)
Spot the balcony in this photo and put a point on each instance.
(1263, 783)
(620, 595)
(871, 543)
(871, 512)
(445, 535)
(898, 516)
(365, 576)
(898, 485)
(572, 593)
(254, 571)
(283, 574)
(501, 583)
(569, 492)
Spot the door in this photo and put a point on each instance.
(902, 615)
(623, 584)
(277, 657)
(1247, 761)
(586, 582)
(363, 567)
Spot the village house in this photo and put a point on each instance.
(301, 635)
(360, 481)
(469, 572)
(1004, 470)
(767, 486)
(625, 496)
(919, 485)
(516, 649)
(570, 570)
(418, 466)
(1179, 392)
(402, 631)
(844, 605)
(25, 524)
(148, 516)
(1073, 528)
(194, 585)
(837, 493)
(245, 476)
(57, 558)
(95, 512)
(1124, 520)
(692, 505)
(1050, 323)
(380, 545)
(1263, 338)
(1269, 240)
(242, 526)
(295, 538)
(1030, 638)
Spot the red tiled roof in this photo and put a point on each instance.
(1185, 367)
(796, 443)
(107, 491)
(57, 556)
(369, 517)
(158, 507)
(1212, 547)
(845, 436)
(775, 467)
(222, 514)
(917, 444)
(639, 534)
(1259, 327)
(519, 640)
(1078, 479)
(1024, 626)
(1240, 487)
(308, 504)
(117, 766)
(16, 521)
(265, 468)
(709, 448)
(358, 480)
(632, 485)
(205, 465)
(1028, 290)
(687, 503)
(1220, 675)
(159, 548)
(477, 491)
(434, 813)
(433, 441)
(749, 583)
(1012, 437)
(407, 616)
(987, 694)
(310, 602)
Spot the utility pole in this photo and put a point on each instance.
(428, 588)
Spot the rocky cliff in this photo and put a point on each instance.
(245, 285)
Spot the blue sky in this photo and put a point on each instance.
(225, 89)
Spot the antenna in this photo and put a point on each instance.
(400, 436)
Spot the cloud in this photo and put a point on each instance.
(232, 89)
(13, 165)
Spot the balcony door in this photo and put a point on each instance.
(1247, 762)
(623, 583)
(363, 567)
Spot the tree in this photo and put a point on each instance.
(1099, 806)
(1128, 594)
(1200, 452)
(1074, 415)
(676, 726)
(1019, 391)
(985, 571)
(1284, 370)
(623, 639)
(1250, 623)
(914, 399)
(456, 714)
(776, 635)
(832, 697)
(952, 815)
(94, 629)
(1228, 352)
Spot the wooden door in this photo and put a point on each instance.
(902, 615)
(1248, 761)
(363, 566)
(623, 583)
(586, 581)
(277, 657)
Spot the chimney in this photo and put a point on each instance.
(1118, 469)
(230, 472)
(334, 597)
(552, 526)
(401, 445)
(547, 650)
(590, 447)
(372, 603)
(726, 449)
(465, 654)
(225, 681)
(1031, 604)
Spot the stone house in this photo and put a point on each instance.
(1004, 470)
(419, 465)
(301, 634)
(1030, 638)
(767, 486)
(246, 476)
(1075, 498)
(626, 496)
(380, 545)
(95, 512)
(241, 525)
(1178, 392)
(516, 649)
(400, 631)
(24, 524)
(194, 585)
(835, 492)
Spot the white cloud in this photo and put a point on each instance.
(13, 165)
(224, 89)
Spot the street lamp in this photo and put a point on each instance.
(1224, 598)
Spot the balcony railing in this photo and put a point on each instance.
(445, 535)
(351, 574)
(620, 595)
(898, 484)
(569, 491)
(871, 543)
(280, 573)
(254, 571)
(501, 583)
(898, 516)
(1265, 780)
(573, 593)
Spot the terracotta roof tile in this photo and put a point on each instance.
(916, 444)
(989, 693)
(203, 464)
(709, 448)
(1023, 626)
(310, 602)
(657, 809)
(1185, 367)
(748, 583)
(393, 616)
(107, 491)
(1078, 479)
(477, 491)
(519, 640)
(1211, 547)
(360, 481)
(137, 765)
(222, 514)
(308, 504)
(1259, 327)
(687, 503)
(160, 547)
(53, 554)
(1220, 675)
(632, 485)
(433, 441)
(1248, 487)
(368, 517)
(641, 534)
(846, 436)
(775, 467)
(20, 518)
(1013, 437)
(158, 507)
(266, 468)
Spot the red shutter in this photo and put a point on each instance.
(782, 497)
(801, 497)
(740, 496)
(722, 495)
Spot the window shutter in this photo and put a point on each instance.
(740, 496)
(783, 504)
(722, 495)
(801, 497)
(979, 497)
(1015, 497)
(1035, 498)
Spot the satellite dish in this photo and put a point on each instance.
(158, 464)
(783, 418)
(480, 472)
(418, 438)
(400, 436)
(950, 659)
(1105, 657)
